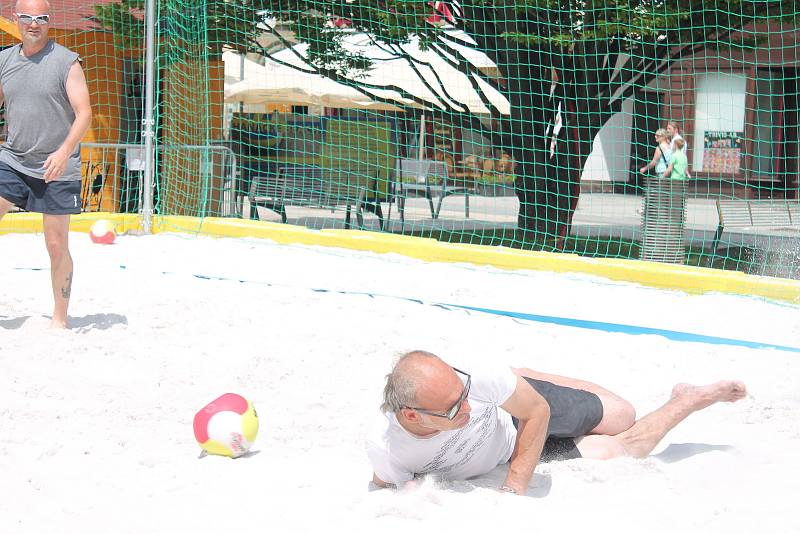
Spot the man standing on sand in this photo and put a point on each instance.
(48, 112)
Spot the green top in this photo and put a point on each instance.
(679, 164)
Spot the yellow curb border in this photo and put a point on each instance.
(695, 280)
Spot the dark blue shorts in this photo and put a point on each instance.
(573, 413)
(38, 196)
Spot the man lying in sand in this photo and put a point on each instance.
(438, 419)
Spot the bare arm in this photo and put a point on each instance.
(533, 412)
(380, 483)
(78, 95)
(669, 170)
(652, 163)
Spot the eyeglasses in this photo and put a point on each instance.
(451, 413)
(27, 20)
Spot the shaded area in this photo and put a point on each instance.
(96, 321)
(15, 323)
(677, 452)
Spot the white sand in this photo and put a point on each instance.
(95, 423)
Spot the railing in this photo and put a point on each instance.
(114, 177)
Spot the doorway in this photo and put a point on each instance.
(772, 166)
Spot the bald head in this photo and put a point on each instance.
(417, 376)
(419, 363)
(32, 7)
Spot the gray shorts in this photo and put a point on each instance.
(34, 194)
(573, 413)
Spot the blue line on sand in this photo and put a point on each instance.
(565, 321)
(632, 330)
(590, 325)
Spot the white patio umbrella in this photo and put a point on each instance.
(279, 84)
(239, 67)
(434, 81)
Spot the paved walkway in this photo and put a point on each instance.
(597, 215)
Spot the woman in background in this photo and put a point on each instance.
(661, 155)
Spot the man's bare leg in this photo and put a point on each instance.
(618, 414)
(647, 432)
(56, 236)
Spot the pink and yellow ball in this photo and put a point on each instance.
(102, 232)
(227, 426)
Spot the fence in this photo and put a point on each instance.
(544, 118)
(114, 178)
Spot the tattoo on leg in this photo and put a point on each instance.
(67, 289)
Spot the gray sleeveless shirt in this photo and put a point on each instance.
(38, 112)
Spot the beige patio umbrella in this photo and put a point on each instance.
(275, 83)
(435, 81)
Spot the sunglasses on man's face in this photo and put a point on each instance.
(27, 20)
(451, 413)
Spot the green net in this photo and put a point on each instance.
(536, 124)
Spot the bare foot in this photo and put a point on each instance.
(704, 396)
(58, 324)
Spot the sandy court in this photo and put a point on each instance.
(95, 423)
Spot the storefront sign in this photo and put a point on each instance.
(722, 152)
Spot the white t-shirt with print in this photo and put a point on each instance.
(484, 443)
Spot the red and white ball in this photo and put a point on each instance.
(227, 426)
(102, 232)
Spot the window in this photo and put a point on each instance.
(719, 122)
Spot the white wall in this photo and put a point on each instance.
(609, 160)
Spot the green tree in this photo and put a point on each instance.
(183, 27)
(582, 57)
